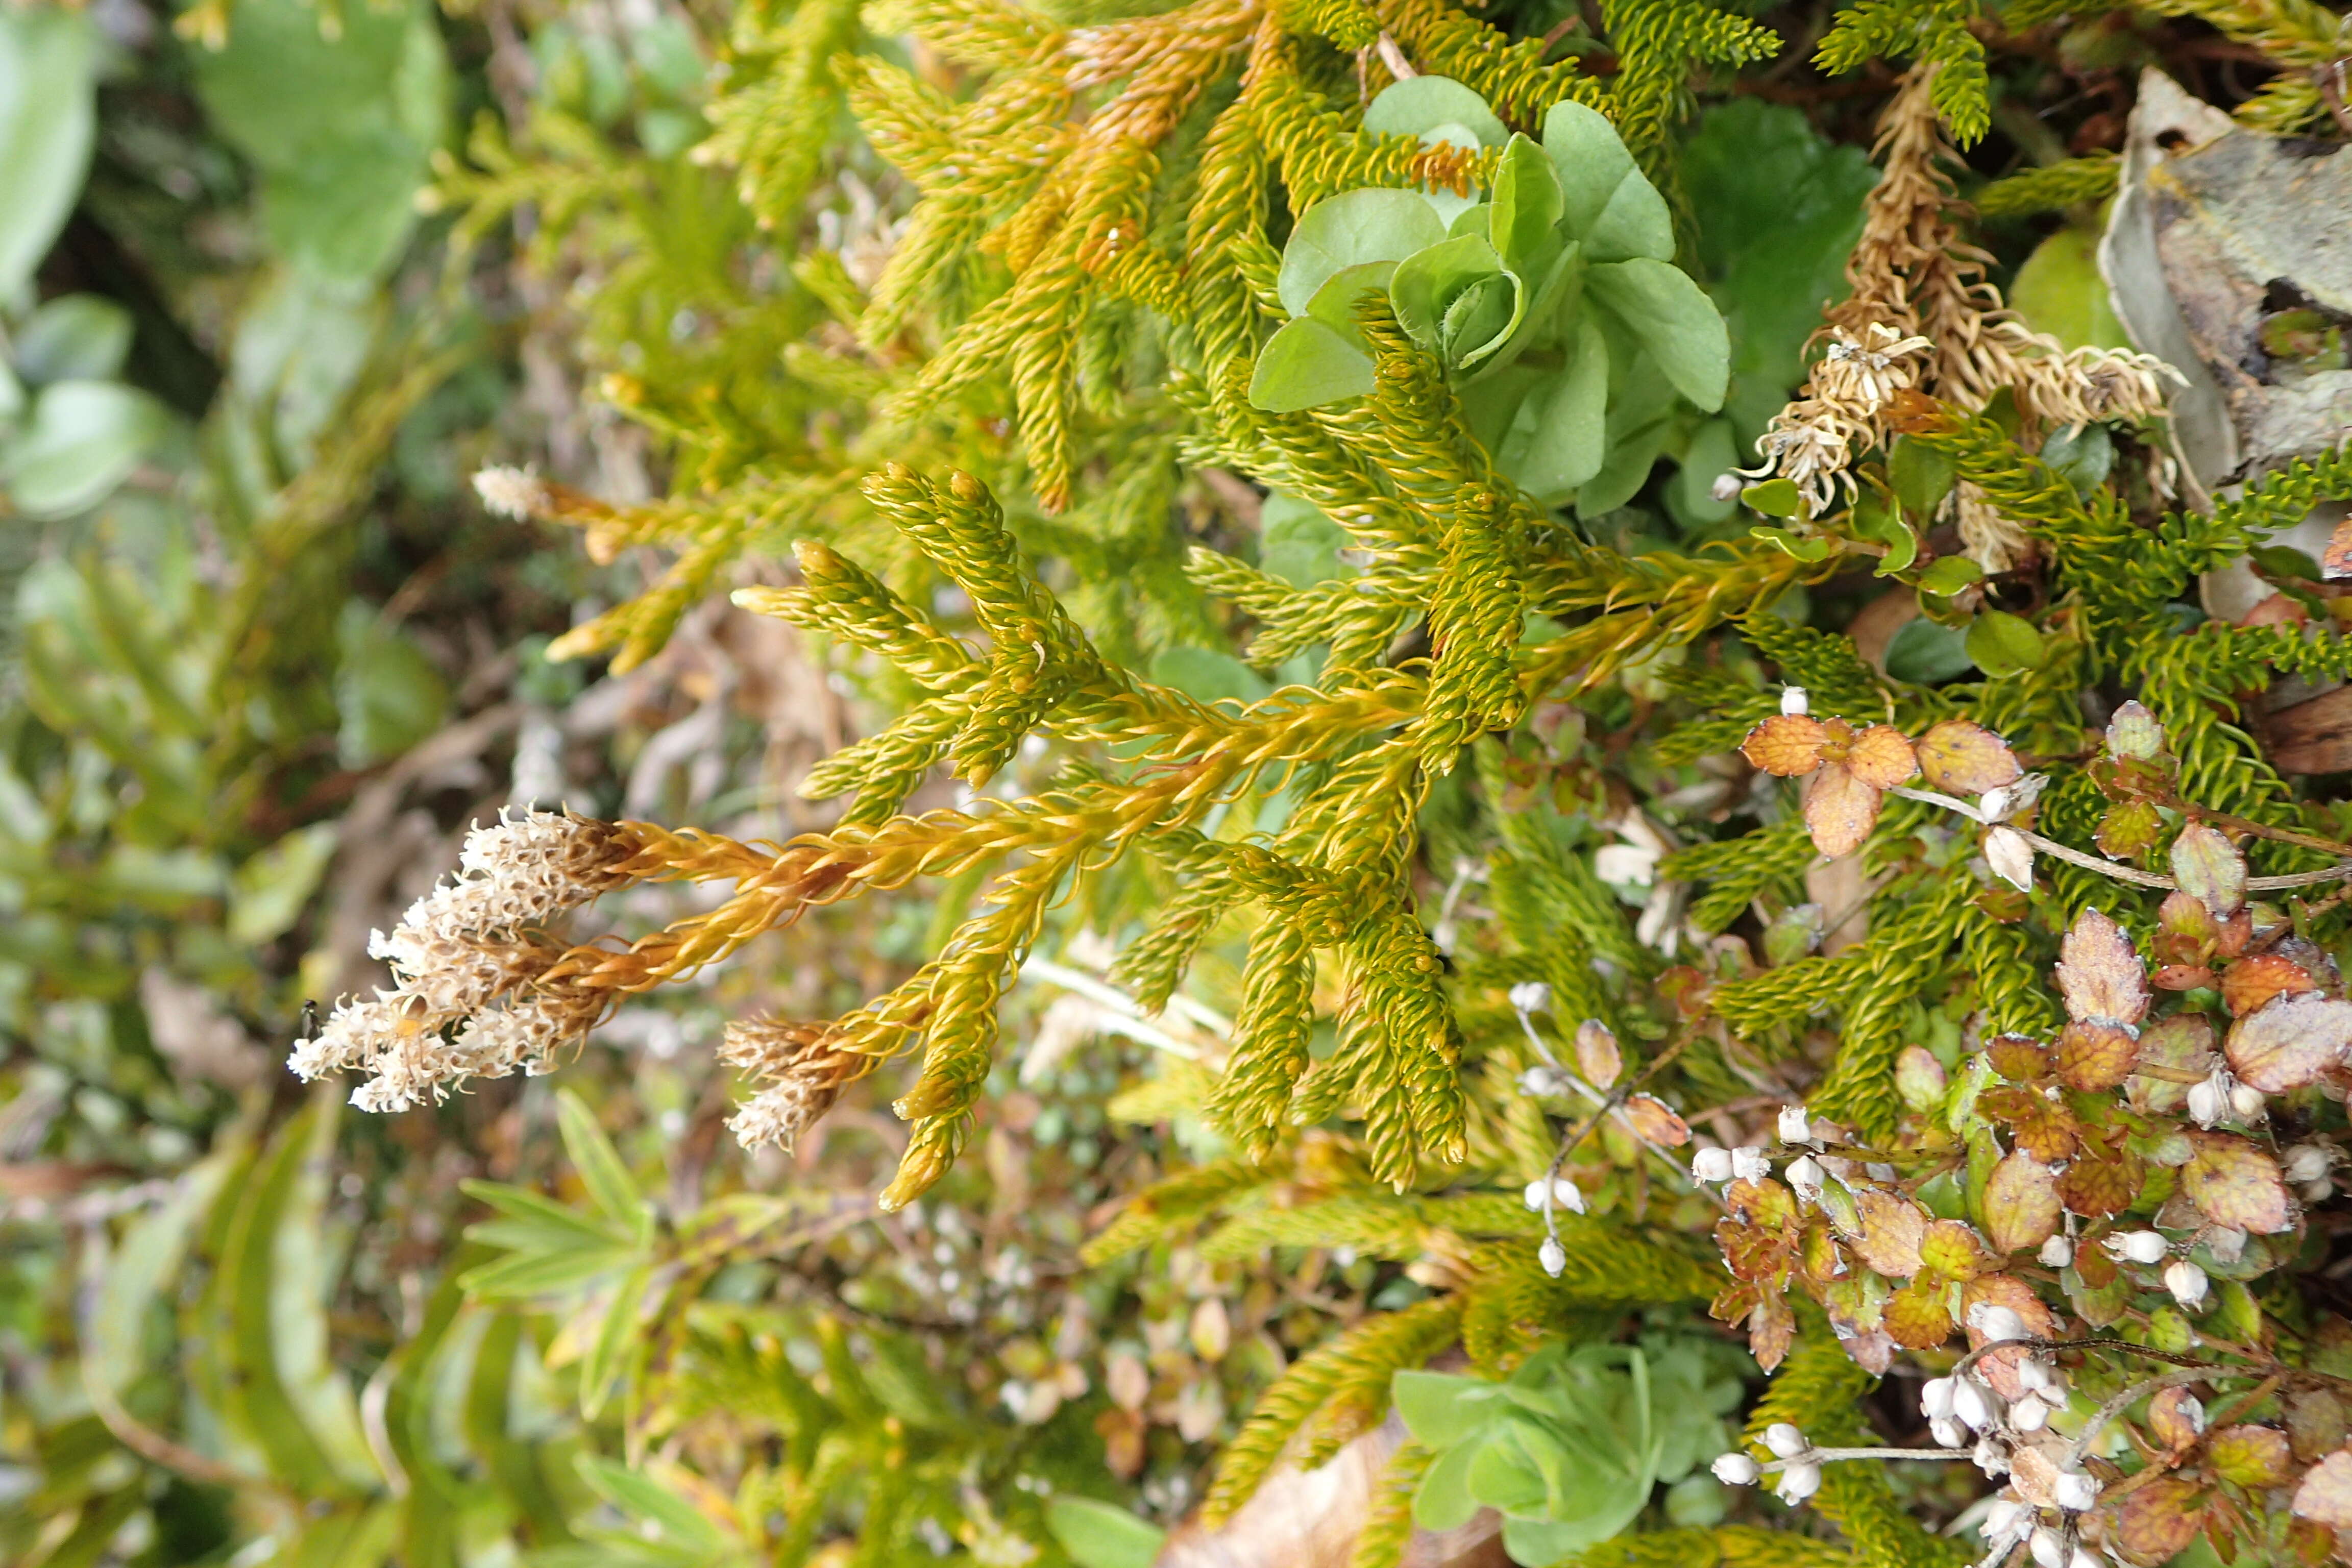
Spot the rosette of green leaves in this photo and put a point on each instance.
(1555, 301)
(1569, 1447)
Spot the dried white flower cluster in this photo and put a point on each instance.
(802, 1075)
(1813, 441)
(470, 954)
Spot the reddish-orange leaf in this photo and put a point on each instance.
(2210, 869)
(1914, 1318)
(1597, 1056)
(1880, 758)
(1840, 811)
(2255, 1457)
(2326, 1495)
(2336, 561)
(2018, 1058)
(2020, 1203)
(2258, 977)
(2095, 1057)
(2155, 1522)
(1786, 745)
(2236, 1184)
(2101, 1179)
(2289, 1041)
(2044, 1130)
(2099, 973)
(2184, 977)
(1892, 1229)
(1652, 1122)
(1961, 758)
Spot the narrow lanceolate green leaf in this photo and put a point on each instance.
(616, 1336)
(135, 1278)
(599, 1163)
(643, 1497)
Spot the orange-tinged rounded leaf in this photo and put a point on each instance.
(1654, 1122)
(1961, 758)
(2099, 973)
(1597, 1056)
(2258, 977)
(1880, 758)
(2095, 1057)
(2156, 1522)
(2252, 1457)
(1892, 1229)
(1952, 1250)
(2289, 1041)
(2020, 1203)
(1840, 811)
(1914, 1318)
(2236, 1184)
(2326, 1495)
(1786, 745)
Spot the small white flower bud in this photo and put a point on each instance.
(1936, 1398)
(2028, 1414)
(1998, 1324)
(2034, 1373)
(1562, 1192)
(2318, 1191)
(2208, 1101)
(1552, 1255)
(1797, 1482)
(1531, 996)
(1990, 1456)
(2187, 1282)
(1806, 1176)
(2247, 1101)
(2049, 1551)
(1711, 1164)
(1749, 1163)
(1736, 1470)
(1726, 487)
(1785, 1440)
(2077, 1493)
(2083, 1558)
(1795, 1126)
(1793, 701)
(2001, 1519)
(2139, 1247)
(1971, 1403)
(2226, 1242)
(1949, 1434)
(1544, 1083)
(2305, 1162)
(2057, 1252)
